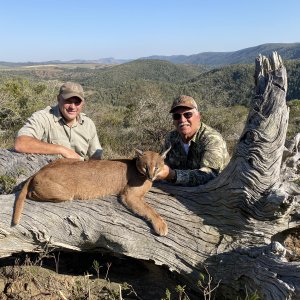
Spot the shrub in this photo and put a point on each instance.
(19, 98)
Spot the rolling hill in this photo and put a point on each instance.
(244, 56)
(153, 70)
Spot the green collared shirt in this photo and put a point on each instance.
(48, 125)
(207, 156)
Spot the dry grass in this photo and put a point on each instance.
(72, 276)
(35, 282)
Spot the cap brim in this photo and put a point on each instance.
(178, 106)
(70, 95)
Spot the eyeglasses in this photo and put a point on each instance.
(187, 115)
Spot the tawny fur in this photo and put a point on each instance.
(68, 179)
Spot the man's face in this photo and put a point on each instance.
(70, 108)
(186, 121)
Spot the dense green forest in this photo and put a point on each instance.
(130, 102)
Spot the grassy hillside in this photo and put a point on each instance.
(228, 85)
(156, 70)
(233, 84)
(109, 75)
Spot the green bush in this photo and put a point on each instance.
(294, 118)
(229, 121)
(19, 98)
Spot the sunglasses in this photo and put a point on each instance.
(187, 115)
(74, 100)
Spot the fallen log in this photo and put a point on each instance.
(241, 228)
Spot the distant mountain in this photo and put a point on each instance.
(105, 61)
(244, 56)
(287, 51)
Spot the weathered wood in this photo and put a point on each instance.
(17, 167)
(236, 225)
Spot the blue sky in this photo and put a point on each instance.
(39, 30)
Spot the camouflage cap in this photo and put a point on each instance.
(71, 89)
(183, 101)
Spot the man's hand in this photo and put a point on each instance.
(166, 174)
(69, 153)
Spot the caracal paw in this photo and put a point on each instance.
(160, 227)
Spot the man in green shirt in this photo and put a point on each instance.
(198, 152)
(62, 129)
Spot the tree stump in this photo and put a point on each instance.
(241, 228)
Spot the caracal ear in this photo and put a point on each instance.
(138, 152)
(164, 154)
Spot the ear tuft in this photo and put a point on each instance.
(138, 152)
(164, 154)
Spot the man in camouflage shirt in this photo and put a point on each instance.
(198, 152)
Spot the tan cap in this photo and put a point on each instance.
(71, 89)
(183, 101)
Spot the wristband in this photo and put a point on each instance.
(174, 179)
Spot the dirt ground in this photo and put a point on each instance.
(72, 276)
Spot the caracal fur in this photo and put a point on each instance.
(68, 179)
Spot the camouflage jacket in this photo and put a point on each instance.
(206, 158)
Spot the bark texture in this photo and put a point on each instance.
(242, 227)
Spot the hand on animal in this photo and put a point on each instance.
(69, 153)
(166, 173)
